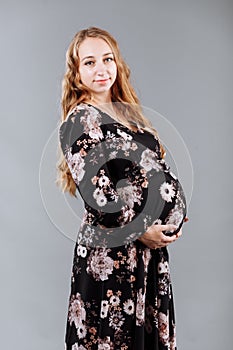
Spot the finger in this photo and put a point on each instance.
(186, 219)
(168, 239)
(169, 227)
(159, 246)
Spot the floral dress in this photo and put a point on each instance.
(121, 293)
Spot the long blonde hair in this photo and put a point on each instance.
(74, 92)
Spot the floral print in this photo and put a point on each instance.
(76, 165)
(149, 161)
(77, 314)
(128, 307)
(140, 308)
(167, 191)
(99, 264)
(121, 294)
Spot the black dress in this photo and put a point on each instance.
(121, 293)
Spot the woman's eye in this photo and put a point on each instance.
(89, 63)
(108, 59)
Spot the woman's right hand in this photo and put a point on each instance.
(155, 238)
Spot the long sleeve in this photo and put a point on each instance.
(118, 177)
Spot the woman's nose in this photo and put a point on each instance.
(100, 68)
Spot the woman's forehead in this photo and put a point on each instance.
(90, 47)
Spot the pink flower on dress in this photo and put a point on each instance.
(146, 258)
(132, 260)
(163, 328)
(99, 264)
(140, 308)
(91, 121)
(175, 216)
(149, 161)
(77, 314)
(105, 344)
(76, 165)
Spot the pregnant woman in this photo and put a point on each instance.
(121, 293)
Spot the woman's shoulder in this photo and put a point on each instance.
(82, 114)
(83, 121)
(82, 108)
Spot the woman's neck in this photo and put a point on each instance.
(108, 107)
(104, 104)
(102, 99)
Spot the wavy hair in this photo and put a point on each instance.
(74, 92)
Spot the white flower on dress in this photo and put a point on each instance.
(101, 201)
(98, 192)
(123, 134)
(103, 313)
(140, 308)
(175, 216)
(103, 181)
(128, 307)
(76, 165)
(149, 161)
(167, 191)
(77, 312)
(163, 267)
(99, 196)
(130, 195)
(99, 264)
(104, 309)
(114, 300)
(81, 251)
(81, 332)
(116, 320)
(104, 304)
(91, 121)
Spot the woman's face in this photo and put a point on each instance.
(97, 67)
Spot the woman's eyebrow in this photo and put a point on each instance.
(105, 54)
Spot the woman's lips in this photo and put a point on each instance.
(101, 80)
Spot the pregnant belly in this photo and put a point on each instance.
(167, 201)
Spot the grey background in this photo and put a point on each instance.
(180, 54)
